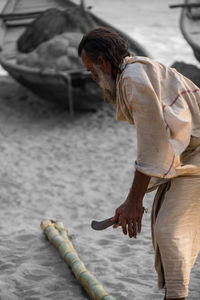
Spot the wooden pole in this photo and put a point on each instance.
(14, 16)
(59, 237)
(82, 4)
(190, 5)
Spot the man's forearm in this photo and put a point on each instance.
(139, 185)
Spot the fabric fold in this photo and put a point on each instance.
(177, 260)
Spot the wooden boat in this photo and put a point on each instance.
(74, 88)
(190, 24)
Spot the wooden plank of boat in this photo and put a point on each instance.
(190, 25)
(50, 84)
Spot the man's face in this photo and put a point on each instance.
(102, 74)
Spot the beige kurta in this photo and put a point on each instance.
(164, 106)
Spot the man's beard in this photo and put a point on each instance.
(107, 84)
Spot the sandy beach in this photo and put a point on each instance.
(76, 169)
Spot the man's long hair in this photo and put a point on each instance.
(106, 43)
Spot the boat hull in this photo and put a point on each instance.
(76, 85)
(190, 25)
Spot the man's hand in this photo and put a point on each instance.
(130, 213)
(129, 216)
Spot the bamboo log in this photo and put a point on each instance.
(59, 237)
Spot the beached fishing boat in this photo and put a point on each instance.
(74, 87)
(190, 24)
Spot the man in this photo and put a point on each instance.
(164, 106)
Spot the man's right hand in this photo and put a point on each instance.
(129, 216)
(130, 213)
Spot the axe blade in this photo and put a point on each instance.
(101, 225)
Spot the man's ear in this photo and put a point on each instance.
(104, 64)
(101, 61)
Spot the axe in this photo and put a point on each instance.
(101, 225)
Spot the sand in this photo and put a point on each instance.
(73, 169)
(76, 170)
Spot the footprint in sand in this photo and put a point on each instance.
(25, 237)
(7, 267)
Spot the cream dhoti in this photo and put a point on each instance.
(176, 227)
